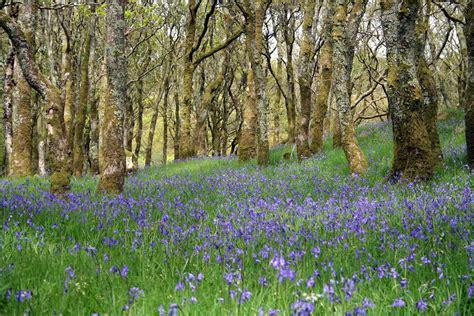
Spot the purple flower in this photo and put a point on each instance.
(193, 299)
(70, 271)
(368, 303)
(316, 251)
(470, 291)
(273, 312)
(8, 294)
(22, 296)
(398, 303)
(278, 262)
(179, 286)
(124, 271)
(421, 305)
(114, 269)
(245, 296)
(425, 260)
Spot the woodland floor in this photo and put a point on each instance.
(217, 237)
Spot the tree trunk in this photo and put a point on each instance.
(94, 136)
(57, 140)
(8, 84)
(325, 81)
(68, 79)
(206, 102)
(248, 137)
(165, 124)
(113, 165)
(177, 127)
(138, 139)
(428, 86)
(289, 36)
(21, 160)
(413, 156)
(469, 105)
(256, 44)
(354, 155)
(305, 81)
(80, 117)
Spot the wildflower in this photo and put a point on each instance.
(124, 271)
(22, 296)
(421, 305)
(179, 286)
(398, 303)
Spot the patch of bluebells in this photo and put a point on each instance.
(251, 230)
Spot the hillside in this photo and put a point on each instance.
(217, 237)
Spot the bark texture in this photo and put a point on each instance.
(21, 159)
(57, 140)
(325, 81)
(248, 135)
(305, 81)
(80, 117)
(469, 106)
(8, 107)
(113, 153)
(413, 154)
(355, 156)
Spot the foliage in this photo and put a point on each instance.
(216, 237)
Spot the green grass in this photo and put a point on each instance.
(224, 207)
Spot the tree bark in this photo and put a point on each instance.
(355, 156)
(21, 159)
(325, 81)
(428, 86)
(57, 140)
(289, 37)
(305, 81)
(469, 105)
(8, 107)
(80, 117)
(413, 155)
(255, 51)
(138, 139)
(113, 153)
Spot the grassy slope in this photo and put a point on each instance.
(172, 218)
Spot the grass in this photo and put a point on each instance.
(237, 238)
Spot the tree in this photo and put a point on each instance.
(113, 154)
(413, 155)
(469, 106)
(341, 80)
(305, 80)
(57, 140)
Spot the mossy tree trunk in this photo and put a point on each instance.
(325, 82)
(428, 86)
(67, 73)
(57, 140)
(154, 118)
(138, 138)
(8, 84)
(206, 102)
(21, 159)
(288, 25)
(413, 154)
(80, 117)
(305, 81)
(164, 158)
(248, 135)
(113, 154)
(469, 105)
(254, 18)
(355, 156)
